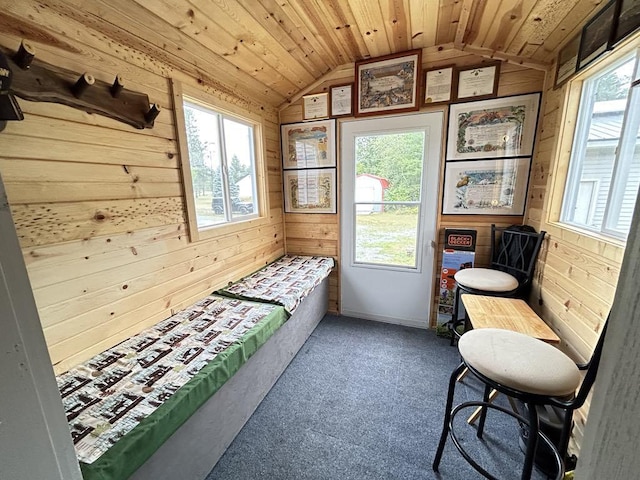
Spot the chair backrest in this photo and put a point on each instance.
(516, 251)
(592, 370)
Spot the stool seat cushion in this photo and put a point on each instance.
(519, 362)
(486, 279)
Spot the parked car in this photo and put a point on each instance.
(244, 208)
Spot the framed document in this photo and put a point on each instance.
(501, 127)
(310, 191)
(567, 63)
(478, 82)
(596, 35)
(315, 106)
(341, 100)
(627, 20)
(438, 85)
(486, 187)
(308, 144)
(388, 84)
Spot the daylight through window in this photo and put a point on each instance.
(604, 171)
(222, 164)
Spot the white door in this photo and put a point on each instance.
(389, 177)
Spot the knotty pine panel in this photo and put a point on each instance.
(99, 206)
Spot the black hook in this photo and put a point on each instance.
(153, 112)
(24, 56)
(84, 82)
(118, 85)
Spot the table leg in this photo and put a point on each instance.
(474, 416)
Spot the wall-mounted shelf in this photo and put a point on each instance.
(39, 81)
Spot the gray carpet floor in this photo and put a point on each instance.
(365, 400)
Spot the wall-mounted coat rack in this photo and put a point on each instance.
(39, 81)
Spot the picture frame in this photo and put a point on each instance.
(567, 62)
(627, 20)
(315, 106)
(388, 84)
(477, 82)
(497, 128)
(310, 191)
(596, 35)
(308, 144)
(486, 187)
(341, 100)
(438, 85)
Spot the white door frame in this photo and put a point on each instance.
(413, 310)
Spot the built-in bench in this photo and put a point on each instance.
(166, 403)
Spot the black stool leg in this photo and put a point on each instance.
(454, 319)
(447, 416)
(532, 442)
(483, 412)
(565, 434)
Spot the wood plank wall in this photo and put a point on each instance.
(98, 205)
(323, 237)
(577, 274)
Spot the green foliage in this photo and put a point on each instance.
(612, 87)
(396, 158)
(201, 173)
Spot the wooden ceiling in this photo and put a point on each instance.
(275, 49)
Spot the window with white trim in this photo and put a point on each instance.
(222, 164)
(604, 170)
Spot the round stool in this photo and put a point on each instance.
(519, 366)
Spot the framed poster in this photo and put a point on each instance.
(478, 82)
(388, 84)
(310, 191)
(596, 35)
(567, 63)
(627, 20)
(308, 144)
(501, 127)
(341, 100)
(438, 85)
(315, 106)
(486, 187)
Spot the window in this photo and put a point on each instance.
(221, 150)
(604, 170)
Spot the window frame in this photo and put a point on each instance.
(185, 93)
(571, 94)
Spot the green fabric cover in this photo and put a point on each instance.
(126, 456)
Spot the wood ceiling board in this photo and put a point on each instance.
(463, 22)
(424, 23)
(477, 13)
(371, 24)
(244, 55)
(340, 21)
(397, 24)
(232, 18)
(311, 15)
(570, 26)
(112, 35)
(541, 21)
(445, 17)
(508, 20)
(490, 54)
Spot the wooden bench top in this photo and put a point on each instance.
(507, 313)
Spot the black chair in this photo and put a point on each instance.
(544, 376)
(513, 260)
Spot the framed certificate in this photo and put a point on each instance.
(486, 187)
(341, 100)
(310, 191)
(567, 63)
(388, 84)
(500, 127)
(315, 106)
(308, 144)
(438, 84)
(478, 82)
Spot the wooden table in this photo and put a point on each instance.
(508, 314)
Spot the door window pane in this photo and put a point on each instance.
(386, 234)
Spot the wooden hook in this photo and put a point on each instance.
(24, 56)
(153, 112)
(118, 85)
(84, 82)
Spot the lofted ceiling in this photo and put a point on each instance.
(275, 50)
